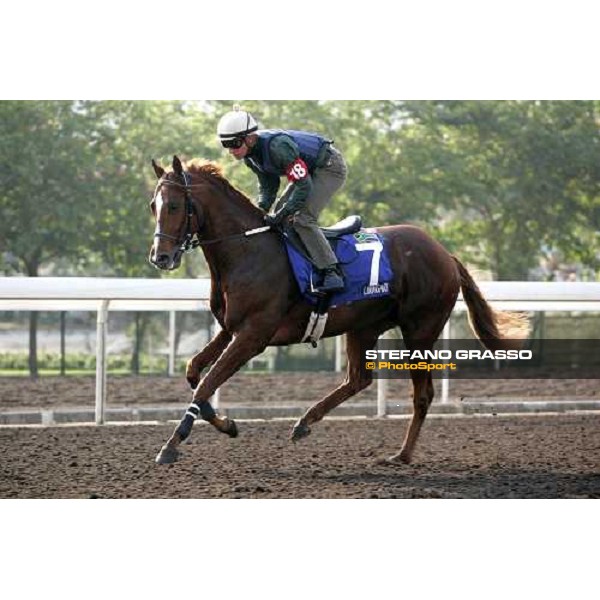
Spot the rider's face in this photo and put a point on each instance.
(238, 147)
(239, 153)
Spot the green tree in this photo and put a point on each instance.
(76, 180)
(510, 176)
(47, 193)
(497, 182)
(130, 135)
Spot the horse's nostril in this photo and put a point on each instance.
(162, 259)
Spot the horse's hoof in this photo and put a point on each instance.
(300, 430)
(232, 430)
(167, 455)
(395, 459)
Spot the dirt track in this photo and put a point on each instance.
(474, 457)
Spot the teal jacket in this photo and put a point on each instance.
(294, 154)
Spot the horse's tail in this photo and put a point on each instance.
(497, 330)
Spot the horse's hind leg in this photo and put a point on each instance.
(357, 379)
(207, 355)
(422, 339)
(422, 398)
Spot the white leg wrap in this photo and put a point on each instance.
(315, 327)
(193, 410)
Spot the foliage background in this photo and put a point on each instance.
(508, 185)
(512, 187)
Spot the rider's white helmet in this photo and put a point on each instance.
(236, 123)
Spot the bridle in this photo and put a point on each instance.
(190, 240)
(187, 242)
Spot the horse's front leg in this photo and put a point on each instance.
(245, 345)
(207, 355)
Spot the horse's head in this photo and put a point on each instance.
(177, 217)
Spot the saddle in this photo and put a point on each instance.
(350, 224)
(362, 257)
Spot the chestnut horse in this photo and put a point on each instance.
(257, 302)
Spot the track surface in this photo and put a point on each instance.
(470, 457)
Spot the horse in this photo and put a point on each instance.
(257, 302)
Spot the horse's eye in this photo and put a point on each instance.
(172, 207)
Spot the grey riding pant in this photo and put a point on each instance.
(326, 180)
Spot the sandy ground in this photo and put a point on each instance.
(468, 457)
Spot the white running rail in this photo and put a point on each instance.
(113, 294)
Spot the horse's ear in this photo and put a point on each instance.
(177, 166)
(158, 169)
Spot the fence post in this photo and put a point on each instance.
(172, 322)
(101, 326)
(382, 387)
(214, 399)
(63, 366)
(339, 349)
(446, 333)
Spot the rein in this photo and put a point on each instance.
(188, 243)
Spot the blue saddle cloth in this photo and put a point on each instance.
(364, 261)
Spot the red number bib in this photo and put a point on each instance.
(297, 170)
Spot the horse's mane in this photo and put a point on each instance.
(212, 171)
(205, 167)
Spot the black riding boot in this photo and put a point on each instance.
(332, 280)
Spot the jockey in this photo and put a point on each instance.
(315, 170)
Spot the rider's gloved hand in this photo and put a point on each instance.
(274, 220)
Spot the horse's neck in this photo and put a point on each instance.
(227, 215)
